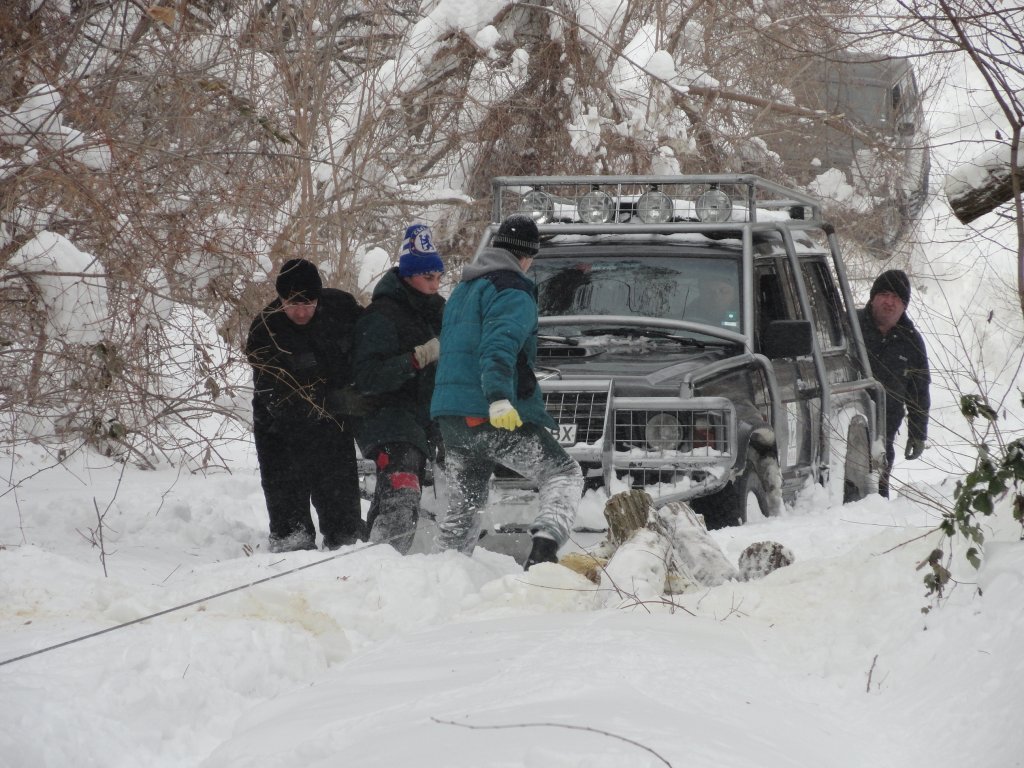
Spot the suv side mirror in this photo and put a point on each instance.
(787, 338)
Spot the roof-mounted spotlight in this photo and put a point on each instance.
(596, 207)
(714, 206)
(654, 207)
(538, 206)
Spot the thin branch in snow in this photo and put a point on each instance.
(555, 725)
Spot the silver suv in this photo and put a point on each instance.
(698, 338)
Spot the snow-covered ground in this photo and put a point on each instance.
(362, 657)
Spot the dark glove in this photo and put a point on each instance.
(915, 447)
(346, 402)
(265, 409)
(437, 451)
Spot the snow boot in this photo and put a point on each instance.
(336, 541)
(300, 539)
(544, 551)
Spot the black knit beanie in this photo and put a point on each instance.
(518, 234)
(299, 280)
(896, 281)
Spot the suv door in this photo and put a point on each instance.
(830, 321)
(798, 429)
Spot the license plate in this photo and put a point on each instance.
(565, 434)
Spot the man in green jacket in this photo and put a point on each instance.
(396, 350)
(487, 401)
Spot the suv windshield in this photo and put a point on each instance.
(701, 290)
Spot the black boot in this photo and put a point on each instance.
(353, 536)
(544, 551)
(300, 539)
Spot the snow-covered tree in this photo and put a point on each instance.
(184, 150)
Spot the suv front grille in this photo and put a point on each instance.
(584, 409)
(704, 431)
(686, 431)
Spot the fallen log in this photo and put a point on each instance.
(697, 552)
(983, 184)
(650, 552)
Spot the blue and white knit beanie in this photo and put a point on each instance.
(418, 253)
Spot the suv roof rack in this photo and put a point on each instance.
(606, 204)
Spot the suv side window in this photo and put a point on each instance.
(769, 298)
(826, 306)
(905, 105)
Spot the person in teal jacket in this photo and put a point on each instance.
(487, 402)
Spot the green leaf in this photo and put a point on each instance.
(1018, 508)
(974, 406)
(983, 503)
(973, 557)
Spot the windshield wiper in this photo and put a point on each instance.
(568, 341)
(685, 340)
(651, 333)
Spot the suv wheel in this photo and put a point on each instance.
(729, 505)
(857, 466)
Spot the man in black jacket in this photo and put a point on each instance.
(299, 348)
(396, 351)
(900, 362)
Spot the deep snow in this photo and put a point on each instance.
(368, 658)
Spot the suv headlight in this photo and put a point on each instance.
(663, 433)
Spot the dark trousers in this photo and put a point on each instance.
(395, 509)
(891, 428)
(312, 462)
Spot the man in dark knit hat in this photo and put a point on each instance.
(396, 351)
(899, 361)
(303, 410)
(487, 401)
